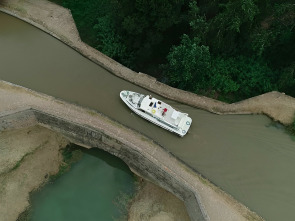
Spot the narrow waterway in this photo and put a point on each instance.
(95, 188)
(246, 155)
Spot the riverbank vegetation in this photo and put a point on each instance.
(229, 50)
(71, 154)
(292, 127)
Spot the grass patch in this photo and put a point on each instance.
(71, 154)
(124, 200)
(91, 112)
(24, 216)
(21, 10)
(291, 127)
(18, 163)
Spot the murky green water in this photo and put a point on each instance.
(244, 155)
(91, 190)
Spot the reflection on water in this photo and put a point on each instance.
(242, 154)
(89, 191)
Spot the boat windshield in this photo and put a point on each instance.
(140, 100)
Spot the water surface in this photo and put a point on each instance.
(90, 190)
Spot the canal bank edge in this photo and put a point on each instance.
(58, 22)
(21, 107)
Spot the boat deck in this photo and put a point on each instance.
(161, 110)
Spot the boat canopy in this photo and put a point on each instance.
(148, 103)
(175, 115)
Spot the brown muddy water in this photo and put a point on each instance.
(248, 156)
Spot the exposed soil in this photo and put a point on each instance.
(153, 203)
(30, 156)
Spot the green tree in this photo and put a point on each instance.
(286, 81)
(275, 31)
(226, 26)
(191, 67)
(252, 43)
(110, 42)
(145, 24)
(245, 77)
(197, 22)
(85, 15)
(188, 65)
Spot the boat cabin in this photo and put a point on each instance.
(161, 110)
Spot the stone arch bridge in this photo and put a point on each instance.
(21, 107)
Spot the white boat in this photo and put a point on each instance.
(157, 112)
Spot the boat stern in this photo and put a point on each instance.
(184, 125)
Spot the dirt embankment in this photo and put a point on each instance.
(28, 158)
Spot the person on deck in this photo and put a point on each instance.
(164, 111)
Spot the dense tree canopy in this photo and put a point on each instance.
(229, 49)
(188, 65)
